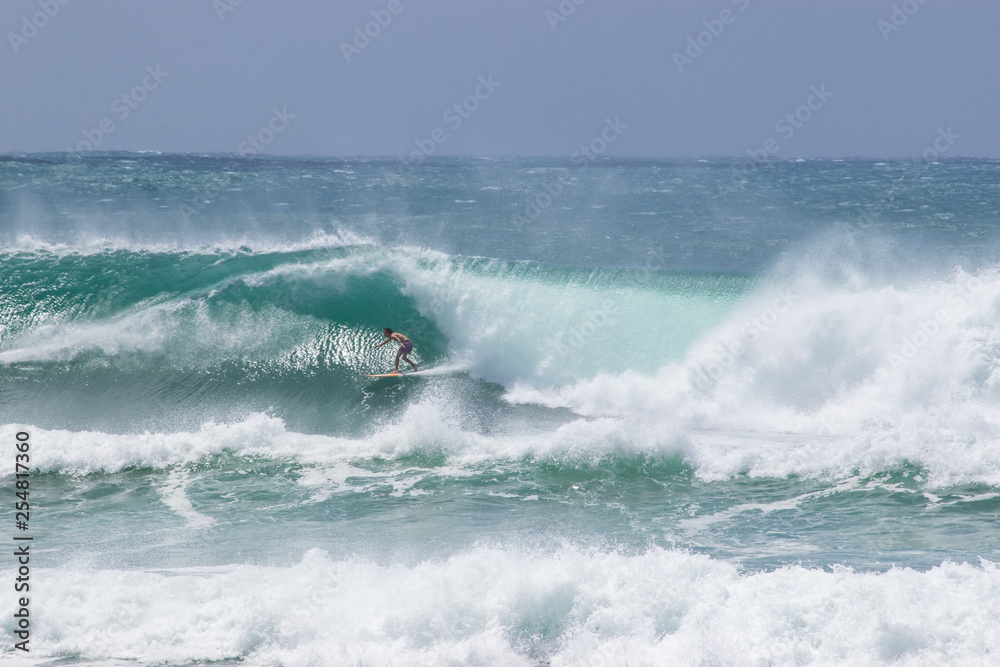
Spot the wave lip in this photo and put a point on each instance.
(95, 244)
(512, 607)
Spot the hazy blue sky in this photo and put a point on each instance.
(224, 68)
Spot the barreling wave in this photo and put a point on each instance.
(179, 326)
(739, 375)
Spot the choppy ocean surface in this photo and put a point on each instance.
(697, 412)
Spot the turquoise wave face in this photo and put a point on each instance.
(191, 336)
(156, 336)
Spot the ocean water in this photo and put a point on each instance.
(689, 412)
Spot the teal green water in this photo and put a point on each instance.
(385, 510)
(690, 391)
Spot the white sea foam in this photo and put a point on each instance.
(174, 494)
(815, 380)
(425, 426)
(505, 606)
(430, 425)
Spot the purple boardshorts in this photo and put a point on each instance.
(406, 349)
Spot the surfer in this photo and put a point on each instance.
(405, 347)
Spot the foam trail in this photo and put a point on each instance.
(175, 497)
(446, 369)
(425, 426)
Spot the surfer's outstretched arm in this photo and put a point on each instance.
(388, 336)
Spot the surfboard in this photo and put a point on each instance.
(426, 371)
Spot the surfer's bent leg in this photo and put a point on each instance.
(407, 360)
(404, 351)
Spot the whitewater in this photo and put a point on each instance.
(694, 412)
